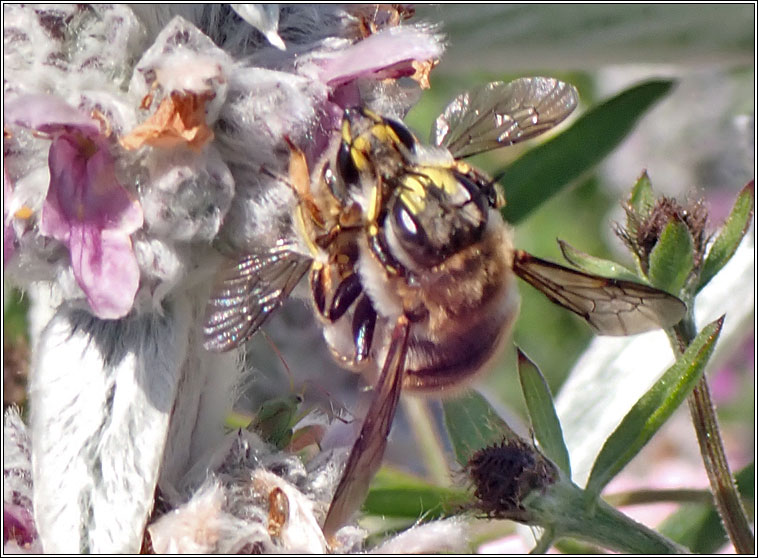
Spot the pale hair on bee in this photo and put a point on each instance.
(410, 265)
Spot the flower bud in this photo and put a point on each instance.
(505, 474)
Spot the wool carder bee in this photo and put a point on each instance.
(411, 266)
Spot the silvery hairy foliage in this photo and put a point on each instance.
(142, 144)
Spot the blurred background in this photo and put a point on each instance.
(698, 142)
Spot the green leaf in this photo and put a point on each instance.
(545, 423)
(641, 199)
(473, 424)
(671, 259)
(653, 409)
(597, 266)
(15, 316)
(275, 419)
(397, 494)
(698, 526)
(236, 420)
(730, 235)
(543, 171)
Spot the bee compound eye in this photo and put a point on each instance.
(413, 237)
(408, 226)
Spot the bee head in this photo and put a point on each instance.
(435, 213)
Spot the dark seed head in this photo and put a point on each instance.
(643, 229)
(504, 474)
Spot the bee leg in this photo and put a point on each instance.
(347, 167)
(318, 289)
(364, 321)
(378, 245)
(344, 296)
(368, 450)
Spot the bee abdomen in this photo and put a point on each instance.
(450, 359)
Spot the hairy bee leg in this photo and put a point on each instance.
(298, 170)
(368, 450)
(381, 251)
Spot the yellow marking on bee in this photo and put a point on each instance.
(462, 167)
(415, 184)
(442, 178)
(346, 131)
(343, 259)
(412, 202)
(371, 115)
(375, 203)
(413, 194)
(361, 163)
(362, 144)
(380, 132)
(359, 147)
(385, 134)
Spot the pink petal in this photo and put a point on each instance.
(18, 525)
(88, 210)
(108, 201)
(388, 53)
(64, 195)
(83, 187)
(47, 113)
(106, 269)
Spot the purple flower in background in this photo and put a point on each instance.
(86, 208)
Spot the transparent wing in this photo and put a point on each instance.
(500, 114)
(247, 292)
(610, 306)
(368, 450)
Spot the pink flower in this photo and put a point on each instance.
(392, 53)
(86, 208)
(18, 525)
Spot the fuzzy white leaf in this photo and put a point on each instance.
(102, 393)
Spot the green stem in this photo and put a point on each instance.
(704, 419)
(428, 439)
(677, 495)
(564, 507)
(544, 543)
